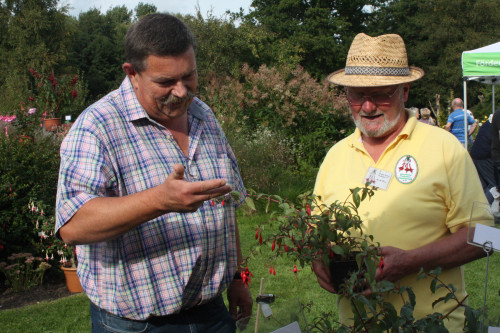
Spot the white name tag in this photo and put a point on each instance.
(378, 178)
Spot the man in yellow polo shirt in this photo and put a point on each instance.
(426, 181)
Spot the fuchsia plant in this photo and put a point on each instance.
(50, 245)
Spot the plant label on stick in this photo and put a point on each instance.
(483, 234)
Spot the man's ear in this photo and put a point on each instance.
(406, 92)
(129, 70)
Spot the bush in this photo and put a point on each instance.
(288, 101)
(28, 169)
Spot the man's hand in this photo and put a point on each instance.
(240, 302)
(183, 196)
(323, 275)
(396, 264)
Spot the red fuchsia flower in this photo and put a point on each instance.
(381, 265)
(51, 77)
(245, 276)
(257, 234)
(272, 270)
(308, 210)
(54, 83)
(32, 99)
(74, 93)
(260, 238)
(274, 245)
(74, 81)
(286, 248)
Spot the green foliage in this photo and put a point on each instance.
(321, 30)
(98, 48)
(28, 169)
(436, 33)
(23, 271)
(312, 115)
(36, 35)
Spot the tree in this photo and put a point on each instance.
(436, 32)
(323, 29)
(34, 33)
(143, 9)
(98, 48)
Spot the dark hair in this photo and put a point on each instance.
(159, 35)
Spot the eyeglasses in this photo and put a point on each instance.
(357, 99)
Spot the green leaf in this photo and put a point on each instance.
(249, 202)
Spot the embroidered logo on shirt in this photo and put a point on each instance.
(406, 169)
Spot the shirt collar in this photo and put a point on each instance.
(405, 133)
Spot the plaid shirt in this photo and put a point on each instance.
(175, 261)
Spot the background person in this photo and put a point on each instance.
(481, 156)
(420, 214)
(455, 123)
(139, 170)
(425, 117)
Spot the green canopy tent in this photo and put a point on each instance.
(482, 65)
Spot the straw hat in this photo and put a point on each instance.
(376, 61)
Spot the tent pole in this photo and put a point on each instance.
(493, 98)
(465, 113)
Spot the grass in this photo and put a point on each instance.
(71, 314)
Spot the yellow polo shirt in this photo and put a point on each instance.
(433, 184)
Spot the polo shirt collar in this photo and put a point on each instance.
(405, 133)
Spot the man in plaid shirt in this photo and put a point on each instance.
(140, 170)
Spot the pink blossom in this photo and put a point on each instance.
(31, 111)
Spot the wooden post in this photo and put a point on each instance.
(258, 307)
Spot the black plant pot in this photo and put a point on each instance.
(340, 271)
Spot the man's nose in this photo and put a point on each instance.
(368, 105)
(180, 89)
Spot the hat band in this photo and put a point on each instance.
(380, 71)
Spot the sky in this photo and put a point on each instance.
(218, 7)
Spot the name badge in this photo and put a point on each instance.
(378, 178)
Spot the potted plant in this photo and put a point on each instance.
(54, 96)
(311, 231)
(53, 248)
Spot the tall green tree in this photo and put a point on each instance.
(98, 49)
(34, 33)
(436, 32)
(323, 29)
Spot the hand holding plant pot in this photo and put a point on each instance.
(311, 231)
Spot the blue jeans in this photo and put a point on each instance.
(210, 317)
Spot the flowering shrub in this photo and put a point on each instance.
(24, 271)
(26, 171)
(54, 96)
(51, 246)
(286, 100)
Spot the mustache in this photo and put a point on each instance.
(172, 99)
